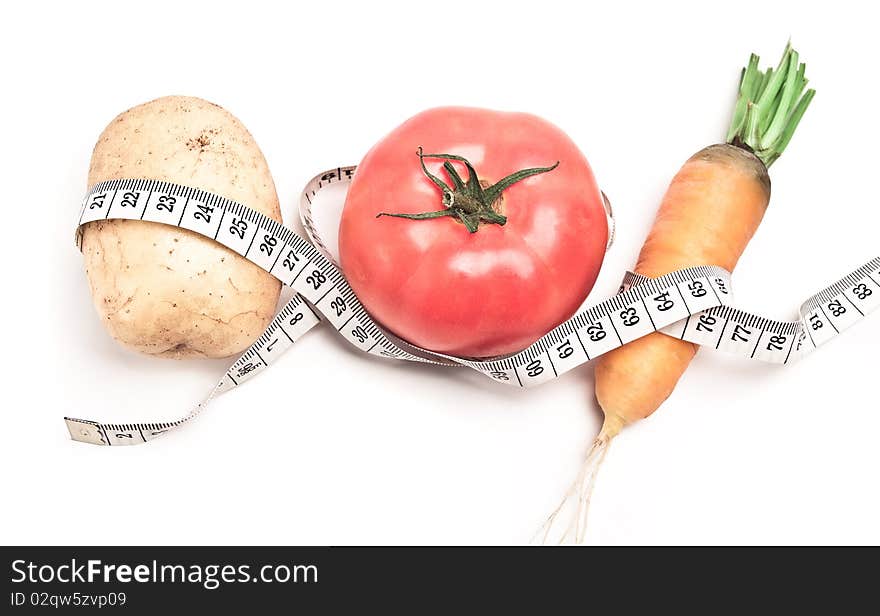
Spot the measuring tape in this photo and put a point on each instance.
(692, 304)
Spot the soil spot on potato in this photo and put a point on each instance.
(203, 142)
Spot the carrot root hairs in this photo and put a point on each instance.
(575, 505)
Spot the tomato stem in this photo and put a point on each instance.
(468, 202)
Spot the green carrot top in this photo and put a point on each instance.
(770, 105)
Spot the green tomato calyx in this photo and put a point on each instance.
(468, 202)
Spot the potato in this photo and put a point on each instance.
(165, 291)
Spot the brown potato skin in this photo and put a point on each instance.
(165, 291)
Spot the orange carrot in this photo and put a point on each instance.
(709, 213)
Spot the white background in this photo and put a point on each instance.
(742, 452)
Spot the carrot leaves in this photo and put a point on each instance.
(770, 105)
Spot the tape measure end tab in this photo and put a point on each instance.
(84, 431)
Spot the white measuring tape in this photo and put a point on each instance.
(692, 304)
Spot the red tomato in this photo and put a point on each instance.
(531, 261)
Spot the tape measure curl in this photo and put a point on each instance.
(693, 304)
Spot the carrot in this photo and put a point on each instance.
(710, 211)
